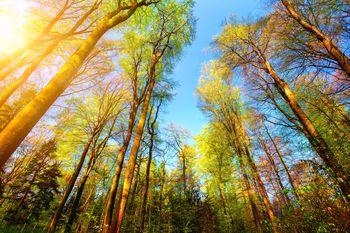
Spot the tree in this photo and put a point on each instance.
(224, 108)
(332, 48)
(248, 46)
(107, 109)
(174, 33)
(22, 124)
(35, 188)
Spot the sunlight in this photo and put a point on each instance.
(12, 21)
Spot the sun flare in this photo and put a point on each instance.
(12, 22)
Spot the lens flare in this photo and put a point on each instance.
(12, 22)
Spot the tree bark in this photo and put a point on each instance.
(14, 133)
(151, 131)
(112, 193)
(79, 194)
(52, 226)
(134, 150)
(275, 169)
(255, 211)
(262, 188)
(316, 140)
(283, 164)
(333, 50)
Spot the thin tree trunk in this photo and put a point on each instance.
(145, 192)
(283, 164)
(71, 182)
(14, 133)
(79, 194)
(112, 193)
(136, 144)
(333, 50)
(255, 211)
(261, 185)
(275, 169)
(151, 130)
(318, 143)
(132, 210)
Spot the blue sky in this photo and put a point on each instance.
(183, 110)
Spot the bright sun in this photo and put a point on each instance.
(12, 20)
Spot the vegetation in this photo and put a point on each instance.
(84, 147)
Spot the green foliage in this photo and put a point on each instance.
(34, 190)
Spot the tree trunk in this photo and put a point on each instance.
(14, 133)
(132, 210)
(37, 60)
(333, 50)
(255, 211)
(145, 190)
(283, 164)
(318, 143)
(264, 195)
(80, 190)
(112, 193)
(70, 185)
(275, 169)
(136, 144)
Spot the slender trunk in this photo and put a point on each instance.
(79, 194)
(151, 131)
(145, 190)
(286, 169)
(132, 198)
(183, 157)
(112, 193)
(160, 207)
(261, 185)
(316, 140)
(333, 50)
(132, 210)
(136, 144)
(14, 133)
(275, 169)
(52, 226)
(255, 211)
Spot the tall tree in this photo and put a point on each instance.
(23, 123)
(108, 103)
(249, 46)
(167, 42)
